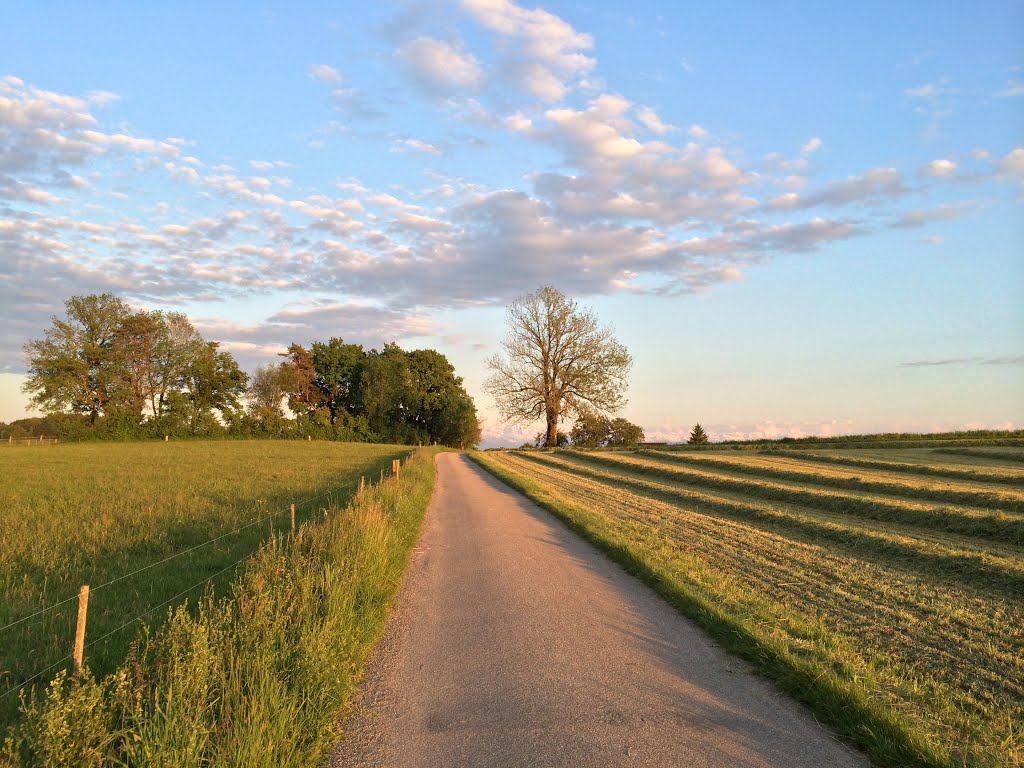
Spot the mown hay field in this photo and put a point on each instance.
(146, 526)
(883, 588)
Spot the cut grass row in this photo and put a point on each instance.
(982, 453)
(793, 469)
(981, 524)
(912, 665)
(260, 677)
(142, 523)
(986, 475)
(998, 574)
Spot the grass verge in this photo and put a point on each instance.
(257, 678)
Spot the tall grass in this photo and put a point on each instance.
(141, 524)
(896, 653)
(255, 678)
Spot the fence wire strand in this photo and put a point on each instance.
(41, 611)
(140, 617)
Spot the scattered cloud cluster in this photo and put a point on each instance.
(628, 202)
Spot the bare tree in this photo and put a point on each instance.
(556, 362)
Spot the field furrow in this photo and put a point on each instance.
(929, 631)
(978, 523)
(997, 574)
(795, 469)
(820, 567)
(919, 467)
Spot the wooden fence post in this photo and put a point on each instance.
(382, 474)
(395, 464)
(362, 483)
(293, 519)
(83, 608)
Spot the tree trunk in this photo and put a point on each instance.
(552, 439)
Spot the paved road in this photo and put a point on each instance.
(514, 643)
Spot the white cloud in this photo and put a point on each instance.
(934, 240)
(1012, 164)
(517, 123)
(325, 73)
(785, 201)
(415, 145)
(940, 169)
(931, 91)
(919, 218)
(541, 53)
(873, 184)
(439, 67)
(176, 230)
(1013, 88)
(652, 122)
(813, 145)
(266, 165)
(697, 131)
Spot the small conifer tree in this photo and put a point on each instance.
(698, 436)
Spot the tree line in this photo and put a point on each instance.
(106, 370)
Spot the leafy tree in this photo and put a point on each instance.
(385, 394)
(268, 388)
(213, 382)
(557, 362)
(698, 436)
(336, 370)
(594, 429)
(439, 407)
(304, 397)
(540, 440)
(177, 343)
(75, 366)
(624, 434)
(590, 430)
(134, 353)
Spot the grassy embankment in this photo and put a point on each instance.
(882, 589)
(257, 671)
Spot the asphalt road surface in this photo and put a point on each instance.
(515, 643)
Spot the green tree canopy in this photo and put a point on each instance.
(388, 395)
(594, 429)
(624, 434)
(105, 360)
(336, 371)
(75, 366)
(697, 435)
(130, 373)
(590, 430)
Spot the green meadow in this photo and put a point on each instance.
(147, 526)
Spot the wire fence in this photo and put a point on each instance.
(30, 440)
(305, 503)
(263, 519)
(65, 659)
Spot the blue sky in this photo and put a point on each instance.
(800, 219)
